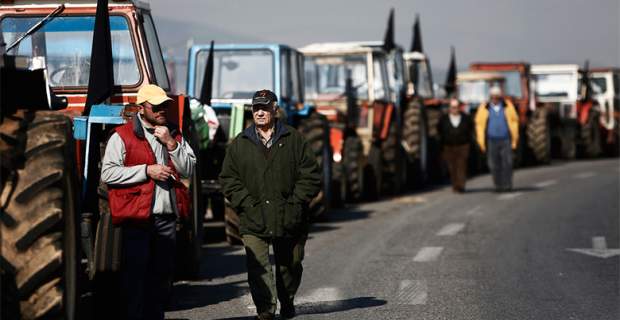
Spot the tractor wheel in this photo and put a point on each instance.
(316, 131)
(231, 220)
(416, 141)
(437, 172)
(539, 136)
(568, 137)
(39, 222)
(353, 183)
(374, 174)
(591, 135)
(394, 163)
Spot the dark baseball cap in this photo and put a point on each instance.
(264, 97)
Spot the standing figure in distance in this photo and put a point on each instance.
(456, 132)
(497, 133)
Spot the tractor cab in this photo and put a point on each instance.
(328, 67)
(474, 86)
(420, 80)
(63, 45)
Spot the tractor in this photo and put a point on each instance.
(606, 90)
(350, 83)
(58, 242)
(238, 70)
(534, 124)
(574, 115)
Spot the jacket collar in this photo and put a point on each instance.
(280, 130)
(503, 103)
(138, 128)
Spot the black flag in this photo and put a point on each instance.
(388, 40)
(416, 42)
(450, 84)
(585, 87)
(101, 76)
(207, 80)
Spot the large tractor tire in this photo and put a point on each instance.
(316, 131)
(394, 163)
(231, 220)
(415, 138)
(539, 136)
(437, 171)
(568, 139)
(39, 216)
(591, 136)
(352, 177)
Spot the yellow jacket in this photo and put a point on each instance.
(482, 117)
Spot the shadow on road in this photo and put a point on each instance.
(322, 307)
(186, 296)
(343, 215)
(492, 190)
(325, 307)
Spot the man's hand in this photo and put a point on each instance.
(163, 135)
(159, 172)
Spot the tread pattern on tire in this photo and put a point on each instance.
(352, 168)
(314, 130)
(591, 135)
(539, 136)
(36, 204)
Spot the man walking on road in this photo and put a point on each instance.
(270, 175)
(455, 133)
(143, 164)
(497, 133)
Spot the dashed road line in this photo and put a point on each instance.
(451, 229)
(584, 175)
(509, 196)
(412, 292)
(428, 254)
(546, 183)
(474, 211)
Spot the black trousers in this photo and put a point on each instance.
(147, 267)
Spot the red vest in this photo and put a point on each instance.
(135, 202)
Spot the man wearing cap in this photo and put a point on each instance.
(269, 175)
(497, 134)
(142, 166)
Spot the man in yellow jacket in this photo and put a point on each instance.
(497, 134)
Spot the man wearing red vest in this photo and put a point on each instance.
(143, 164)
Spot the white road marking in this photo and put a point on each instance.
(428, 254)
(584, 175)
(247, 301)
(474, 211)
(544, 184)
(509, 196)
(321, 295)
(599, 249)
(451, 229)
(412, 292)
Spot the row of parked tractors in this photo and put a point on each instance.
(369, 110)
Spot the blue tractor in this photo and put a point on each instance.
(229, 74)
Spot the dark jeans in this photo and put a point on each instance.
(288, 253)
(456, 159)
(147, 268)
(499, 159)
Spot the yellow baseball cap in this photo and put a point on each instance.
(152, 94)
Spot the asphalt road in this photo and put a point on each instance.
(437, 255)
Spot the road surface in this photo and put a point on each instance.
(548, 250)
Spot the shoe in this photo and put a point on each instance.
(287, 312)
(265, 316)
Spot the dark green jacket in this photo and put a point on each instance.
(270, 191)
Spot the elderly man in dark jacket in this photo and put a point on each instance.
(270, 175)
(456, 131)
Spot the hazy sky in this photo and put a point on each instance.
(538, 31)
